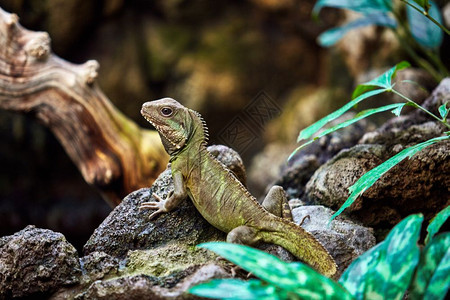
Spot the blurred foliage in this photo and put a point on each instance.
(421, 33)
(385, 271)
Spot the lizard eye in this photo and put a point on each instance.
(166, 111)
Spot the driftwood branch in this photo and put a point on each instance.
(110, 150)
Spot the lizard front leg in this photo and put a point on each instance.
(173, 199)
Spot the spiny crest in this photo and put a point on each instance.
(205, 127)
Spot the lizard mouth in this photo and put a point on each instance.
(154, 122)
(149, 119)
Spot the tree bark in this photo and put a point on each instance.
(110, 150)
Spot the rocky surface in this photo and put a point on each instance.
(36, 261)
(97, 265)
(344, 239)
(158, 257)
(141, 286)
(419, 184)
(130, 257)
(127, 229)
(301, 167)
(231, 56)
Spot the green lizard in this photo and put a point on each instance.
(216, 193)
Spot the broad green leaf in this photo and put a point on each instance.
(369, 178)
(432, 278)
(310, 130)
(424, 31)
(443, 111)
(354, 277)
(436, 223)
(359, 116)
(385, 271)
(263, 265)
(332, 36)
(237, 289)
(382, 81)
(362, 6)
(296, 278)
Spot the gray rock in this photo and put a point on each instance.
(99, 264)
(344, 239)
(128, 229)
(403, 189)
(329, 184)
(94, 267)
(164, 272)
(305, 162)
(231, 160)
(36, 262)
(156, 258)
(145, 287)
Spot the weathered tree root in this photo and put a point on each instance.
(111, 151)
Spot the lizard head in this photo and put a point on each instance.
(177, 125)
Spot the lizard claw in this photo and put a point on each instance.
(157, 204)
(155, 214)
(158, 198)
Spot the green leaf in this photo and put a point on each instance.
(263, 265)
(362, 89)
(332, 36)
(385, 271)
(361, 115)
(436, 223)
(424, 31)
(432, 278)
(369, 178)
(443, 110)
(310, 130)
(382, 81)
(362, 92)
(296, 278)
(398, 110)
(237, 289)
(362, 6)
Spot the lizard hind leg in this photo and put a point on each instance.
(276, 203)
(245, 235)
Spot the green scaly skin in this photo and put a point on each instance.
(216, 193)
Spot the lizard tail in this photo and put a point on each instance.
(300, 243)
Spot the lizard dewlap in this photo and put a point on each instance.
(216, 193)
